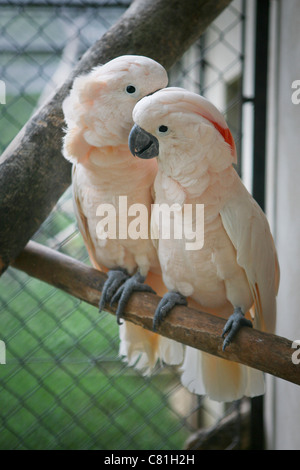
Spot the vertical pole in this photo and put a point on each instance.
(260, 100)
(259, 167)
(202, 64)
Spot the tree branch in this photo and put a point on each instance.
(263, 351)
(222, 435)
(33, 173)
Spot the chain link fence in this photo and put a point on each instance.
(63, 385)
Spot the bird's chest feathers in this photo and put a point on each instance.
(206, 191)
(195, 227)
(169, 191)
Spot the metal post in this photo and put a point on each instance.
(259, 166)
(260, 100)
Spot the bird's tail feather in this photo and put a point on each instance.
(220, 379)
(143, 349)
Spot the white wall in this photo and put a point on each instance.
(283, 410)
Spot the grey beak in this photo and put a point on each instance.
(142, 144)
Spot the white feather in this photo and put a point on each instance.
(237, 266)
(221, 380)
(136, 348)
(98, 115)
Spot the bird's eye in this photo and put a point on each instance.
(163, 129)
(130, 89)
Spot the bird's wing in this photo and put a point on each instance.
(83, 223)
(249, 232)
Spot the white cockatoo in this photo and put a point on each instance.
(98, 114)
(233, 273)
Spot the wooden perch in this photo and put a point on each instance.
(263, 351)
(223, 434)
(33, 173)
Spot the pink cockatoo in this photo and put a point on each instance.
(234, 272)
(98, 114)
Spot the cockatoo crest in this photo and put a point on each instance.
(98, 110)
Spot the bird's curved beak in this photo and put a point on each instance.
(142, 144)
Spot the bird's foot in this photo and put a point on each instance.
(115, 278)
(123, 293)
(233, 325)
(169, 300)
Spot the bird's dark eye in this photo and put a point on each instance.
(130, 89)
(163, 129)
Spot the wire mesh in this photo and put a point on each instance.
(63, 385)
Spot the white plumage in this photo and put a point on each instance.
(98, 114)
(237, 266)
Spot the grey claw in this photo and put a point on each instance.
(169, 300)
(234, 323)
(115, 277)
(133, 284)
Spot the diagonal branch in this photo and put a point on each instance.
(33, 173)
(266, 352)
